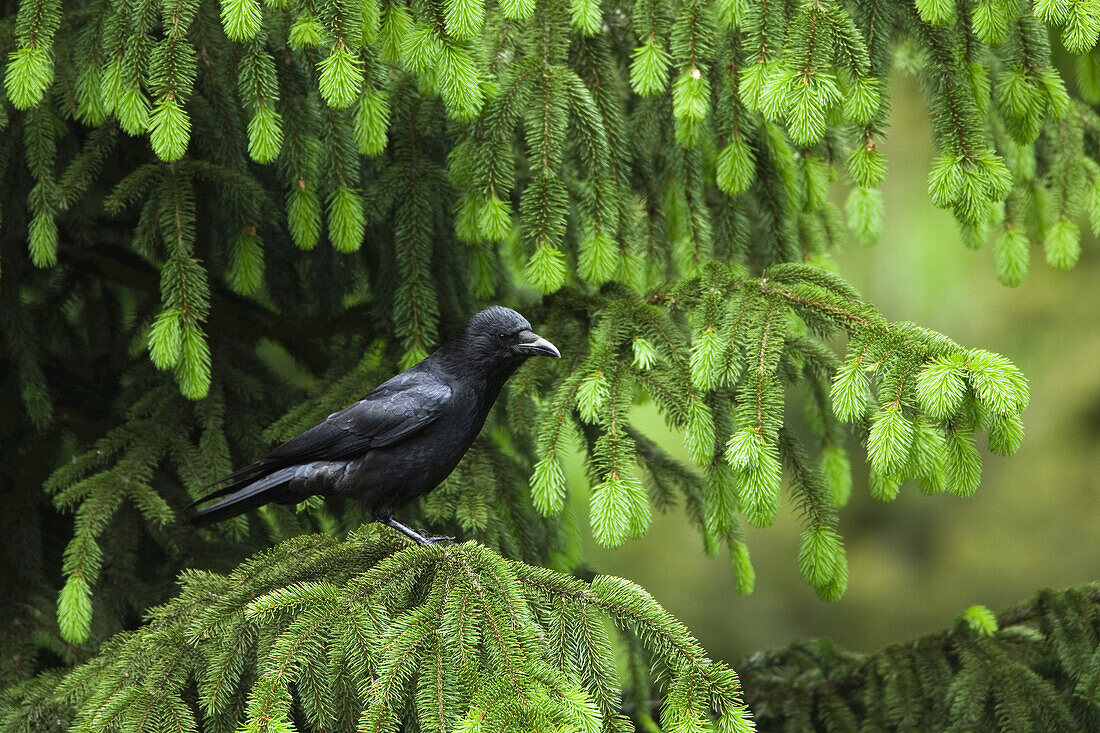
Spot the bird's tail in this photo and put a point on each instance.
(243, 496)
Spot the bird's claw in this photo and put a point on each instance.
(418, 536)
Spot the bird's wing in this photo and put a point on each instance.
(396, 409)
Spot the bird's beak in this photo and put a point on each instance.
(531, 344)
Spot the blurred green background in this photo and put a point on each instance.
(916, 562)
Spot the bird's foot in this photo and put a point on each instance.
(418, 536)
(435, 539)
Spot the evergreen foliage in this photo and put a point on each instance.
(1032, 667)
(221, 221)
(323, 635)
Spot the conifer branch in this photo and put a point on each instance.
(514, 644)
(1023, 640)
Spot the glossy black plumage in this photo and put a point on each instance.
(402, 439)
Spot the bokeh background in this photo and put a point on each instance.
(917, 562)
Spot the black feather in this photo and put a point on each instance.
(248, 473)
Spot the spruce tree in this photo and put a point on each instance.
(223, 220)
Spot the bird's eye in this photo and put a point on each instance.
(502, 336)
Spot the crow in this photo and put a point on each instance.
(398, 442)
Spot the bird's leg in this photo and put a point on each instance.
(386, 518)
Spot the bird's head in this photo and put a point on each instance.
(502, 338)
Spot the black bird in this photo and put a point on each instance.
(402, 439)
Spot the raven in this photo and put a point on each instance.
(402, 439)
